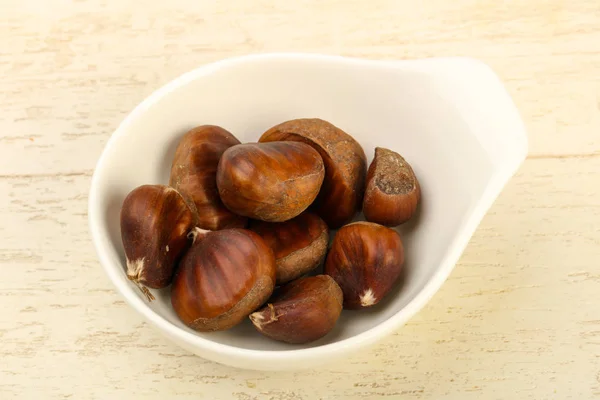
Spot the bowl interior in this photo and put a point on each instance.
(407, 107)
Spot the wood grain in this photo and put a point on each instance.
(518, 318)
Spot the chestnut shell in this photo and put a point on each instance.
(392, 190)
(301, 311)
(299, 244)
(194, 175)
(365, 259)
(224, 276)
(270, 181)
(345, 166)
(155, 222)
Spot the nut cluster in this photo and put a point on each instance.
(242, 230)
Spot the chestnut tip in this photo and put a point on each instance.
(197, 233)
(259, 320)
(134, 272)
(367, 298)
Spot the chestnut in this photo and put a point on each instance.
(224, 276)
(299, 244)
(345, 166)
(392, 190)
(301, 311)
(269, 181)
(365, 259)
(155, 223)
(194, 175)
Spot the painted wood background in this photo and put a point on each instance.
(519, 317)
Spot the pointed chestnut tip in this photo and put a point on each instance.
(257, 319)
(368, 298)
(264, 317)
(135, 269)
(197, 233)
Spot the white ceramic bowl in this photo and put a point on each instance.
(451, 119)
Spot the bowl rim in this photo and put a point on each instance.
(214, 350)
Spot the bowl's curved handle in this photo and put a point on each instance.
(481, 98)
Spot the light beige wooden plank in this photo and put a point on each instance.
(548, 52)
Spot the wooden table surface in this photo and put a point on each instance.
(519, 318)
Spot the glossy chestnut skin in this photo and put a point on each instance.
(302, 311)
(224, 276)
(365, 259)
(269, 181)
(392, 190)
(194, 175)
(155, 222)
(299, 244)
(345, 166)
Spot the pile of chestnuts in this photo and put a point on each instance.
(241, 229)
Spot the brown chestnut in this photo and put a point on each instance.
(269, 181)
(155, 222)
(299, 244)
(224, 276)
(194, 175)
(365, 259)
(392, 190)
(345, 166)
(301, 311)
